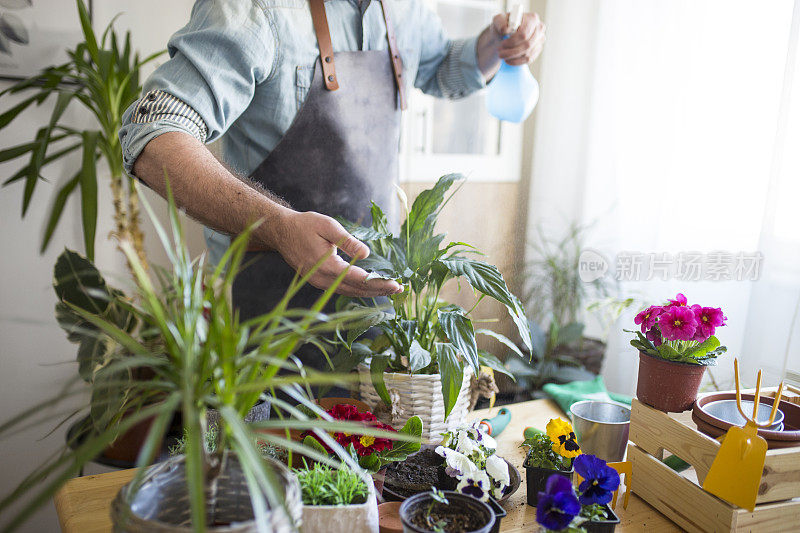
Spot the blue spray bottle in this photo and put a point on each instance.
(513, 92)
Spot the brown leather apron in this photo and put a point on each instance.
(340, 153)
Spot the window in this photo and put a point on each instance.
(441, 136)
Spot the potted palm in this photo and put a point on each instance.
(422, 361)
(102, 75)
(548, 455)
(557, 298)
(676, 342)
(205, 359)
(337, 500)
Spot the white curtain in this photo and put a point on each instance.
(674, 129)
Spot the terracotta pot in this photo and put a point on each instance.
(715, 427)
(330, 403)
(666, 385)
(126, 447)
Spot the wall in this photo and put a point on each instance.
(36, 358)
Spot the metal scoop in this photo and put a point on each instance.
(735, 474)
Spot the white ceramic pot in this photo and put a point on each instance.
(343, 518)
(421, 395)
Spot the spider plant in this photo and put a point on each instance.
(421, 333)
(205, 358)
(102, 75)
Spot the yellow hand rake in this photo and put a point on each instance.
(735, 474)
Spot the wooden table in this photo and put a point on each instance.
(83, 503)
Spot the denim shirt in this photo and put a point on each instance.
(242, 68)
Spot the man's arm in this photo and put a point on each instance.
(216, 62)
(208, 192)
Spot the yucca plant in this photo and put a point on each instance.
(205, 358)
(103, 76)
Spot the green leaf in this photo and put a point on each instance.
(372, 316)
(418, 357)
(376, 369)
(78, 282)
(459, 331)
(403, 448)
(24, 171)
(376, 263)
(17, 151)
(666, 351)
(12, 113)
(55, 212)
(503, 339)
(346, 359)
(490, 360)
(571, 333)
(427, 205)
(452, 374)
(88, 182)
(487, 279)
(88, 32)
(362, 233)
(709, 345)
(314, 444)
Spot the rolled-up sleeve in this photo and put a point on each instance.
(215, 62)
(448, 67)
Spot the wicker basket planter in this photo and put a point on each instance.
(162, 503)
(343, 518)
(417, 394)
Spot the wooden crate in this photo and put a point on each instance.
(680, 495)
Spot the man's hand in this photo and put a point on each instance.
(521, 47)
(525, 44)
(305, 238)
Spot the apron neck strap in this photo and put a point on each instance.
(320, 19)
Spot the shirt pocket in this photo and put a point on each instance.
(304, 74)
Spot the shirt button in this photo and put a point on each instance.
(152, 97)
(143, 110)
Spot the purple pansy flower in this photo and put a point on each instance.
(677, 324)
(558, 504)
(599, 480)
(648, 317)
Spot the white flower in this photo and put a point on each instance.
(476, 485)
(464, 442)
(458, 463)
(497, 492)
(401, 195)
(485, 440)
(497, 469)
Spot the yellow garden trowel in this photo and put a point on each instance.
(735, 474)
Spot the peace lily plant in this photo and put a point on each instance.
(420, 333)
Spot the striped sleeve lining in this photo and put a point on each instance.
(160, 105)
(450, 75)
